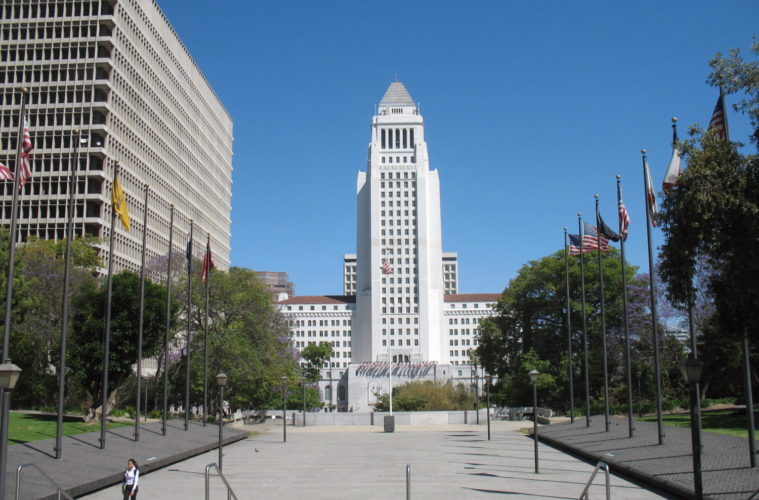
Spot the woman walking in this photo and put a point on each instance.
(131, 477)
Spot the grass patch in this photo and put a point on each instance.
(26, 427)
(732, 422)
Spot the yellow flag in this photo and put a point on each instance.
(119, 203)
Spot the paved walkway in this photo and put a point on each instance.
(725, 459)
(84, 467)
(362, 462)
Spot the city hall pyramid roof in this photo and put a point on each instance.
(397, 95)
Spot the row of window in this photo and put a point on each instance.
(54, 31)
(394, 138)
(400, 331)
(398, 159)
(313, 308)
(321, 333)
(397, 175)
(322, 322)
(455, 342)
(400, 342)
(463, 321)
(25, 9)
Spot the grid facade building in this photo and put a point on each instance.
(117, 71)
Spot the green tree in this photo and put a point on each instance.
(737, 76)
(247, 339)
(528, 329)
(88, 325)
(427, 396)
(35, 339)
(712, 216)
(315, 355)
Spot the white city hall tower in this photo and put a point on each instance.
(401, 307)
(399, 282)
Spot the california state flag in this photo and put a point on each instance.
(674, 170)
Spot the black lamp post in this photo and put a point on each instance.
(303, 382)
(534, 379)
(691, 369)
(284, 408)
(488, 379)
(9, 374)
(640, 395)
(221, 379)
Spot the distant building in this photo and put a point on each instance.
(117, 71)
(279, 283)
(400, 299)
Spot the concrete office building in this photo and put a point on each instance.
(401, 300)
(116, 70)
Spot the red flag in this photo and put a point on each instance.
(624, 220)
(386, 267)
(5, 173)
(25, 171)
(207, 264)
(650, 195)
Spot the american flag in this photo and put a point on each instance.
(207, 263)
(717, 124)
(26, 151)
(575, 245)
(386, 267)
(5, 173)
(590, 238)
(624, 220)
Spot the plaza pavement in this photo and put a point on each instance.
(362, 462)
(84, 467)
(726, 470)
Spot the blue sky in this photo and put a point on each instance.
(530, 109)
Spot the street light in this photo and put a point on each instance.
(534, 379)
(284, 408)
(9, 374)
(640, 395)
(221, 380)
(303, 383)
(691, 369)
(488, 380)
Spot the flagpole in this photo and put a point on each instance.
(603, 321)
(628, 361)
(74, 165)
(569, 332)
(5, 395)
(107, 339)
(206, 266)
(651, 271)
(168, 324)
(189, 334)
(584, 323)
(142, 317)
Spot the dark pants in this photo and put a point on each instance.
(127, 491)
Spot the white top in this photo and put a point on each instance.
(132, 477)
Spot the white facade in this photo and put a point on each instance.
(116, 70)
(398, 220)
(400, 290)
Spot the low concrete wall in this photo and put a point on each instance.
(401, 418)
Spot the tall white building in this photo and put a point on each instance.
(116, 70)
(399, 287)
(401, 300)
